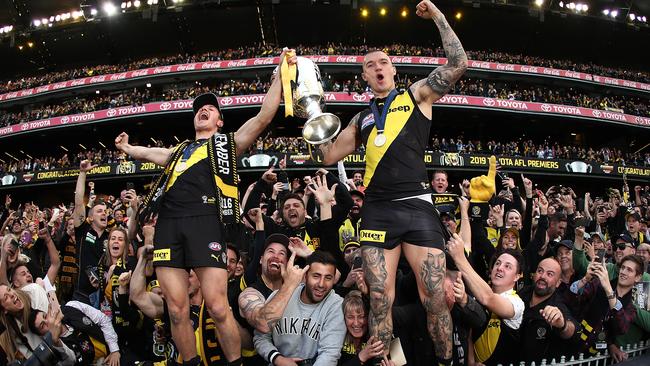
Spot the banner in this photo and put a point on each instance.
(352, 60)
(433, 160)
(330, 98)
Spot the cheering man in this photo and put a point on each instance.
(196, 200)
(398, 212)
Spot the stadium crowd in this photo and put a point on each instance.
(502, 90)
(259, 50)
(296, 145)
(574, 259)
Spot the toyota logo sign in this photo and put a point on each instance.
(546, 108)
(165, 106)
(596, 113)
(488, 102)
(65, 119)
(226, 101)
(111, 112)
(359, 97)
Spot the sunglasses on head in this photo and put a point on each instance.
(621, 246)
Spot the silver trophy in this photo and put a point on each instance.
(309, 102)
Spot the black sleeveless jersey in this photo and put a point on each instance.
(396, 169)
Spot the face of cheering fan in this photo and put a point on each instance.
(207, 119)
(379, 72)
(9, 300)
(505, 272)
(22, 276)
(293, 212)
(116, 244)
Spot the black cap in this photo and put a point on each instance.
(206, 99)
(626, 238)
(566, 243)
(277, 238)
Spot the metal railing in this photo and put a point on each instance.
(604, 359)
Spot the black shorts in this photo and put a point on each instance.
(386, 224)
(189, 242)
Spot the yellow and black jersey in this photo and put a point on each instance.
(190, 190)
(396, 169)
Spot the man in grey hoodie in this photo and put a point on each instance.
(307, 327)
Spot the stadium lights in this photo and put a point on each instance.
(458, 15)
(382, 11)
(93, 11)
(364, 12)
(404, 13)
(30, 44)
(561, 4)
(613, 13)
(109, 8)
(632, 16)
(6, 29)
(539, 3)
(136, 3)
(606, 12)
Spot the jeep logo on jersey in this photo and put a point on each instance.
(402, 108)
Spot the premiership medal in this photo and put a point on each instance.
(181, 166)
(380, 140)
(380, 120)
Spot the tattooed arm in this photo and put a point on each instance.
(440, 81)
(346, 142)
(264, 316)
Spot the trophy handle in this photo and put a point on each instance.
(245, 161)
(274, 160)
(589, 168)
(316, 156)
(568, 167)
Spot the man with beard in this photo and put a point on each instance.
(90, 235)
(547, 322)
(308, 325)
(350, 227)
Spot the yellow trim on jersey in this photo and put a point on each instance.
(395, 121)
(226, 189)
(487, 342)
(199, 154)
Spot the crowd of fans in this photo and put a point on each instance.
(260, 50)
(296, 145)
(573, 258)
(135, 97)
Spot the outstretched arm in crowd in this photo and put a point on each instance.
(149, 303)
(440, 81)
(132, 224)
(497, 304)
(156, 155)
(250, 130)
(55, 259)
(79, 213)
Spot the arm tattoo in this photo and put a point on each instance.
(443, 77)
(250, 302)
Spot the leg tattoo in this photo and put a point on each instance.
(380, 320)
(432, 274)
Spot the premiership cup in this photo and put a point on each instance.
(309, 102)
(578, 167)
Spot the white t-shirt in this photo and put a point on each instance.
(518, 305)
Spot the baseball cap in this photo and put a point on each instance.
(448, 214)
(625, 237)
(566, 243)
(595, 233)
(633, 214)
(277, 238)
(354, 192)
(206, 99)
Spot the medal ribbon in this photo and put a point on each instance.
(380, 121)
(189, 150)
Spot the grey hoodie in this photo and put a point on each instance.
(306, 331)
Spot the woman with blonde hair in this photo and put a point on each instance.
(19, 342)
(357, 347)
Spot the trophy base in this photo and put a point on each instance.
(321, 128)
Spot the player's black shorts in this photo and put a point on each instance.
(189, 242)
(386, 224)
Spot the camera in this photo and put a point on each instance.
(43, 355)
